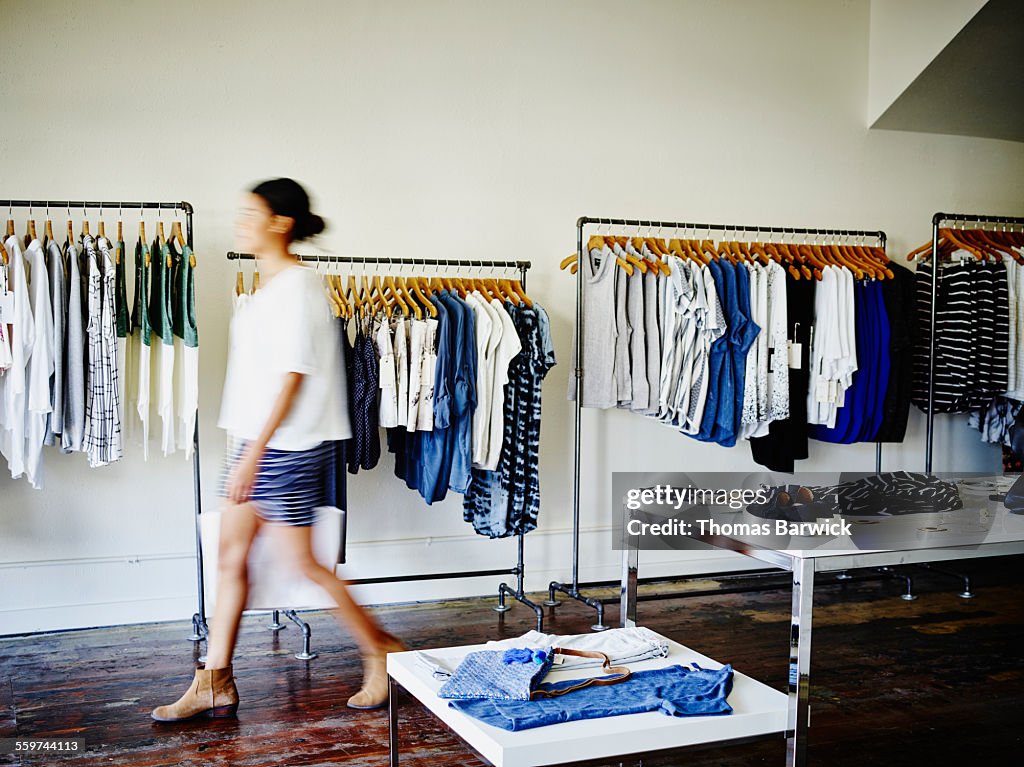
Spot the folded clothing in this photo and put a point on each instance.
(889, 494)
(672, 690)
(498, 675)
(622, 646)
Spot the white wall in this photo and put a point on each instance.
(459, 129)
(906, 35)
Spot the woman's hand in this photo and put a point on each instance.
(244, 475)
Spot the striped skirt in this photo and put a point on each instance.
(289, 484)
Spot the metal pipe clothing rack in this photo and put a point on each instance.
(199, 619)
(937, 220)
(572, 589)
(519, 570)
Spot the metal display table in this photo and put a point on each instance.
(984, 528)
(758, 712)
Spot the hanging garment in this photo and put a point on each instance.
(682, 319)
(506, 501)
(953, 342)
(186, 353)
(599, 274)
(711, 326)
(752, 392)
(1015, 273)
(58, 289)
(387, 376)
(365, 413)
(417, 355)
(428, 371)
(75, 355)
(141, 319)
(337, 472)
(464, 397)
(509, 345)
(716, 359)
(640, 391)
(399, 334)
(773, 369)
(898, 297)
(5, 340)
(41, 363)
(488, 335)
(652, 333)
(122, 324)
(161, 312)
(102, 437)
(786, 441)
(623, 377)
(14, 382)
(434, 468)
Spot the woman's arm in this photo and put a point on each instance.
(245, 471)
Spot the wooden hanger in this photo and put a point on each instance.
(409, 299)
(30, 231)
(395, 295)
(239, 280)
(418, 292)
(48, 229)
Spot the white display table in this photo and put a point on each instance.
(758, 711)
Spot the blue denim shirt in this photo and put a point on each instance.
(460, 437)
(433, 471)
(673, 691)
(741, 338)
(716, 361)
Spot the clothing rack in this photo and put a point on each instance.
(519, 570)
(937, 221)
(199, 619)
(572, 589)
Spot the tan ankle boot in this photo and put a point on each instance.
(213, 694)
(374, 692)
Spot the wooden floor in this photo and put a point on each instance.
(937, 681)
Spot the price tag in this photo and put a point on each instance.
(795, 354)
(821, 391)
(6, 307)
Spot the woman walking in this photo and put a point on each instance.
(283, 404)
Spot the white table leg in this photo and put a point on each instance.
(799, 717)
(393, 720)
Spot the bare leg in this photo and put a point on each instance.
(238, 527)
(296, 543)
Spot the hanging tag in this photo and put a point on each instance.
(795, 354)
(821, 391)
(6, 307)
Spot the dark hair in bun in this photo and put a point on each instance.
(286, 197)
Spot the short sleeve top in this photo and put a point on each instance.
(285, 327)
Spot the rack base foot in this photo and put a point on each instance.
(520, 596)
(199, 629)
(573, 592)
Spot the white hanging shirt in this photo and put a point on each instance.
(41, 364)
(486, 344)
(508, 347)
(13, 384)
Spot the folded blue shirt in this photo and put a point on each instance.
(673, 691)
